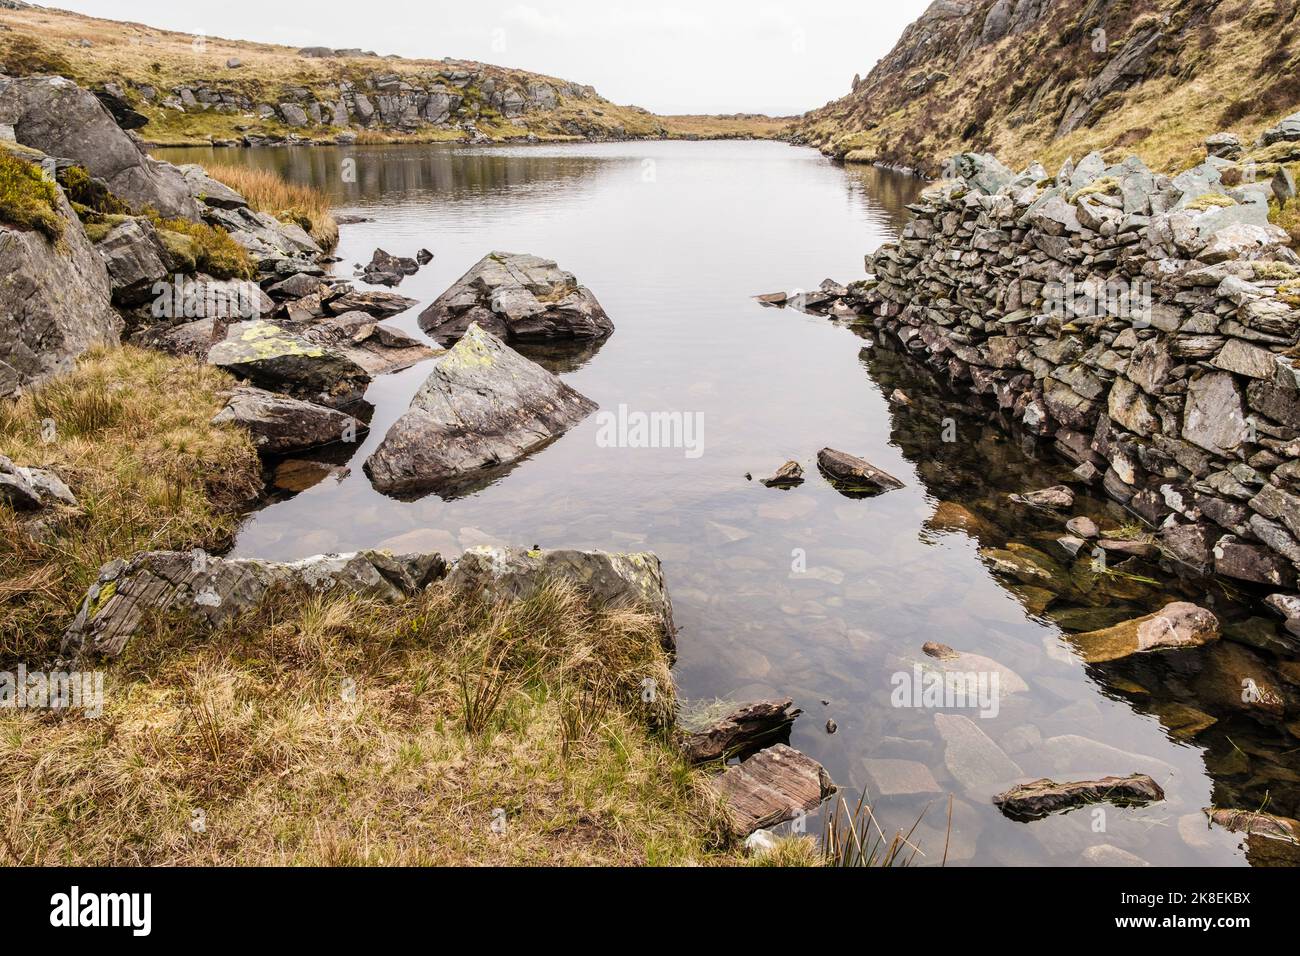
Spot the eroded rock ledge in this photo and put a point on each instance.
(1145, 324)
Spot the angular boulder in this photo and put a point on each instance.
(31, 489)
(382, 305)
(54, 299)
(521, 298)
(275, 359)
(58, 117)
(135, 259)
(1177, 625)
(211, 591)
(621, 580)
(280, 425)
(482, 408)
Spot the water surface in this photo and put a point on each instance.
(802, 592)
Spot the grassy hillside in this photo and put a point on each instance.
(1047, 79)
(133, 57)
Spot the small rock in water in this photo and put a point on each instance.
(1058, 496)
(1033, 801)
(854, 477)
(1082, 527)
(424, 257)
(787, 476)
(773, 298)
(831, 726)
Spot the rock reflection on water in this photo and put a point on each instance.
(804, 592)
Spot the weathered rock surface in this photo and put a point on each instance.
(771, 787)
(382, 305)
(749, 726)
(853, 476)
(787, 476)
(211, 591)
(384, 268)
(1033, 801)
(520, 298)
(31, 489)
(482, 408)
(54, 115)
(281, 425)
(54, 299)
(620, 580)
(375, 347)
(278, 360)
(971, 756)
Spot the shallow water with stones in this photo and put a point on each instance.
(804, 592)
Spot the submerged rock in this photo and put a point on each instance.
(1175, 626)
(1256, 824)
(971, 756)
(281, 425)
(748, 727)
(774, 785)
(854, 477)
(482, 408)
(520, 298)
(1059, 496)
(1033, 801)
(211, 591)
(619, 580)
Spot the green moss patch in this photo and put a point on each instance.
(28, 200)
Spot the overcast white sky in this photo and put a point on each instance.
(709, 56)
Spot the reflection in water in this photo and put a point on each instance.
(801, 592)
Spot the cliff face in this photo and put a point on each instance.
(1046, 79)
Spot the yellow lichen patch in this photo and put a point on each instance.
(268, 341)
(1211, 201)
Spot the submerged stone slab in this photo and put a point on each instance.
(774, 785)
(521, 298)
(1177, 625)
(211, 590)
(482, 408)
(971, 756)
(612, 579)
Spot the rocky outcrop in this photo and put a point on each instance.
(54, 115)
(1041, 798)
(1142, 323)
(55, 301)
(482, 408)
(211, 591)
(280, 425)
(633, 580)
(519, 298)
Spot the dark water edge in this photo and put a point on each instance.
(801, 592)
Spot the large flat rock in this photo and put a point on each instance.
(774, 785)
(277, 359)
(1175, 626)
(482, 408)
(521, 298)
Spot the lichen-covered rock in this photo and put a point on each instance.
(276, 359)
(55, 301)
(377, 348)
(482, 408)
(520, 298)
(619, 580)
(280, 425)
(212, 591)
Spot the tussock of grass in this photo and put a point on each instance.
(334, 731)
(267, 192)
(210, 248)
(28, 199)
(130, 432)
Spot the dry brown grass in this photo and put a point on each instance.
(742, 126)
(266, 191)
(334, 732)
(130, 433)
